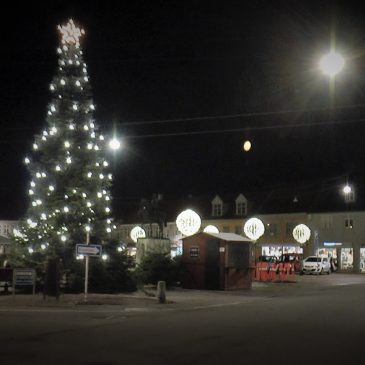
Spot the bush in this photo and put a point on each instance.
(156, 267)
(115, 275)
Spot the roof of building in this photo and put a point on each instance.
(296, 198)
(229, 237)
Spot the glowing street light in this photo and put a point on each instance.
(114, 144)
(331, 63)
(347, 189)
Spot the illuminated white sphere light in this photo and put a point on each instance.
(254, 228)
(301, 233)
(188, 222)
(211, 229)
(332, 63)
(137, 232)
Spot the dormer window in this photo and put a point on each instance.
(241, 205)
(217, 207)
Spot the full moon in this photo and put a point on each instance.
(246, 146)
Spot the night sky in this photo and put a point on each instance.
(186, 83)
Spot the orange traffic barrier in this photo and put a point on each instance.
(290, 276)
(281, 271)
(264, 272)
(272, 271)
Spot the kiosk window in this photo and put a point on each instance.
(194, 251)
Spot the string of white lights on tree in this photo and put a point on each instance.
(69, 186)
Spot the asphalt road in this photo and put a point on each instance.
(317, 321)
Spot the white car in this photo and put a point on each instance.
(316, 265)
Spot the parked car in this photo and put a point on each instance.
(316, 265)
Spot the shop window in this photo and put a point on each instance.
(225, 229)
(362, 259)
(271, 230)
(326, 221)
(289, 228)
(349, 224)
(347, 259)
(194, 251)
(238, 229)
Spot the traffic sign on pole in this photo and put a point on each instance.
(88, 250)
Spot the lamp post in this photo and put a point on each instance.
(87, 229)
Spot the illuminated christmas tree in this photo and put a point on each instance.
(69, 187)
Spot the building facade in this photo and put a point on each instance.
(339, 234)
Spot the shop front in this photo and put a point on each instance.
(362, 259)
(341, 253)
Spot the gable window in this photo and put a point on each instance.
(241, 208)
(217, 210)
(217, 207)
(241, 205)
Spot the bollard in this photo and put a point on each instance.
(161, 292)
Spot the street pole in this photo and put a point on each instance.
(86, 268)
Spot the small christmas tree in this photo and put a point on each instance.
(69, 197)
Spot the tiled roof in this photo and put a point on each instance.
(306, 198)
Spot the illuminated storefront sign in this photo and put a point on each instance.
(332, 244)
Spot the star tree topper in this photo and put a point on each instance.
(70, 33)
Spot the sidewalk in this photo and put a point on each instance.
(185, 298)
(175, 299)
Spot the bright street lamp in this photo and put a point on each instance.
(114, 144)
(332, 63)
(347, 189)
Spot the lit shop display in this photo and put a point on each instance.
(362, 259)
(327, 252)
(278, 250)
(347, 259)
